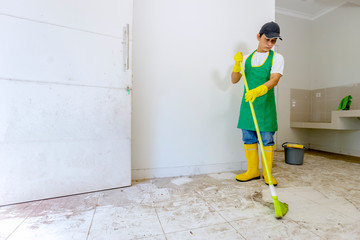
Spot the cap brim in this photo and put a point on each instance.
(273, 35)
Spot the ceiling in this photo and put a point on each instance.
(309, 9)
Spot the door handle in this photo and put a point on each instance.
(128, 89)
(125, 44)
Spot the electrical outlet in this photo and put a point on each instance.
(318, 94)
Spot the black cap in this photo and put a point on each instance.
(271, 30)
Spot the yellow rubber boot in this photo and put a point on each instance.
(252, 157)
(269, 154)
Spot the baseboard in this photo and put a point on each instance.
(138, 174)
(334, 149)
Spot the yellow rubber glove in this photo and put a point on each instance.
(238, 59)
(256, 92)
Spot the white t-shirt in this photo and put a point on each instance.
(260, 57)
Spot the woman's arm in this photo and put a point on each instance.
(274, 80)
(235, 77)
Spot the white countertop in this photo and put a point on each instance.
(340, 120)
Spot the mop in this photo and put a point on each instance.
(280, 208)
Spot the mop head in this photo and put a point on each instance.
(280, 208)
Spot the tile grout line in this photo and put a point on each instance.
(352, 203)
(92, 219)
(237, 231)
(226, 221)
(24, 220)
(162, 228)
(308, 230)
(196, 228)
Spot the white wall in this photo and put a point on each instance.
(335, 61)
(334, 47)
(185, 108)
(296, 49)
(319, 54)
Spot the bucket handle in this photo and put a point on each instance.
(283, 145)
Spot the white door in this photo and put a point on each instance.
(65, 100)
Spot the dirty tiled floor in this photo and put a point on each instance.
(323, 196)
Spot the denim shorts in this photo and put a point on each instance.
(250, 137)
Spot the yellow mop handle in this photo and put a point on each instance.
(256, 126)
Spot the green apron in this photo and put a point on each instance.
(265, 108)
